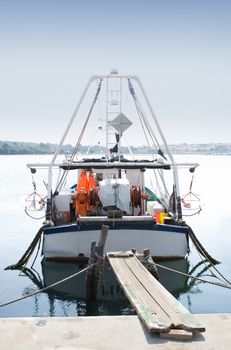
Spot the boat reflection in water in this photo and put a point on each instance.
(70, 297)
(110, 298)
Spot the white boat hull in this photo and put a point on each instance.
(72, 242)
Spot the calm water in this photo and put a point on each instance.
(212, 226)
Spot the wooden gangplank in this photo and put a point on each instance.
(155, 306)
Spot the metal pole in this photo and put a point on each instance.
(49, 189)
(175, 172)
(107, 150)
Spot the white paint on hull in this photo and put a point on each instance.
(161, 243)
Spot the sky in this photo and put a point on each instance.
(180, 49)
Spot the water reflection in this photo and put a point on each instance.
(70, 298)
(178, 284)
(110, 299)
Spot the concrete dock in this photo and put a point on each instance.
(106, 332)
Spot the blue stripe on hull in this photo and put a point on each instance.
(115, 225)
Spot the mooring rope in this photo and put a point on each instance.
(36, 255)
(28, 295)
(201, 250)
(199, 246)
(26, 256)
(214, 267)
(219, 284)
(204, 253)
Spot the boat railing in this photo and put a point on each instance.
(80, 165)
(124, 218)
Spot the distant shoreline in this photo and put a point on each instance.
(24, 148)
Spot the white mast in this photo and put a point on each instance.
(113, 75)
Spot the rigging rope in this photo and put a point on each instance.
(32, 217)
(144, 121)
(63, 178)
(142, 115)
(186, 199)
(197, 212)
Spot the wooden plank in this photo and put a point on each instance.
(141, 301)
(177, 334)
(179, 315)
(158, 309)
(120, 254)
(102, 240)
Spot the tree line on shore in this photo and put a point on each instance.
(14, 147)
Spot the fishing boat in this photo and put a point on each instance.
(137, 196)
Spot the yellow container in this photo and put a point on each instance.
(162, 216)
